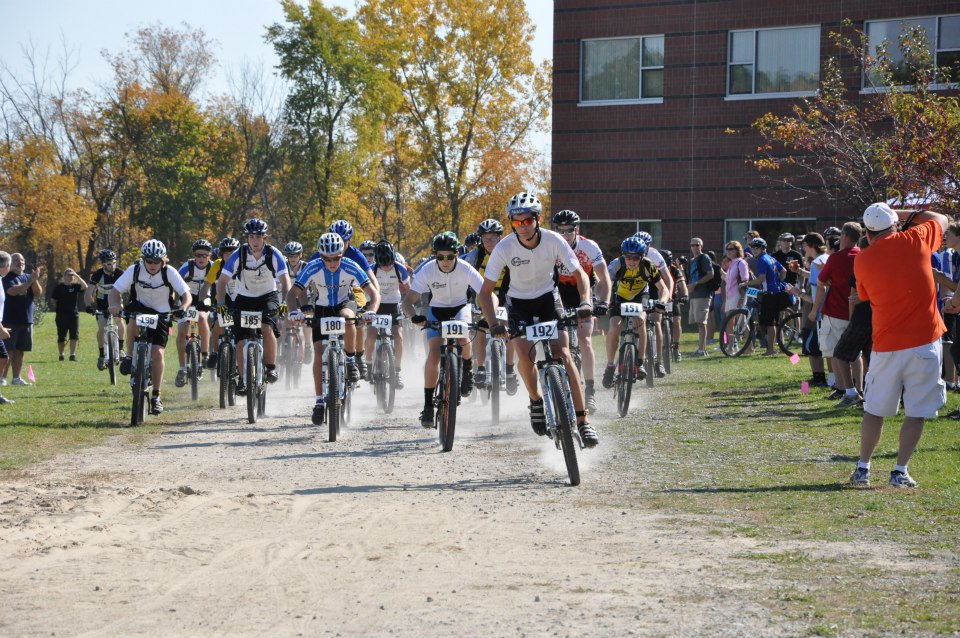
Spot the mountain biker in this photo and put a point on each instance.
(679, 298)
(490, 231)
(447, 278)
(101, 283)
(194, 272)
(151, 284)
(226, 248)
(771, 274)
(367, 247)
(631, 283)
(531, 254)
(335, 277)
(259, 270)
(567, 224)
(394, 283)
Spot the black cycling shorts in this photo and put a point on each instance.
(163, 325)
(392, 309)
(770, 306)
(319, 312)
(268, 305)
(547, 307)
(641, 299)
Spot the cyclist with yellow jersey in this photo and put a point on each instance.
(226, 248)
(630, 283)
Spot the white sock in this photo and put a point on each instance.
(900, 468)
(861, 464)
(831, 379)
(852, 392)
(319, 398)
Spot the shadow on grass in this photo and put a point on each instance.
(466, 485)
(807, 487)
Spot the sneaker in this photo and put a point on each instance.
(426, 416)
(659, 370)
(3, 381)
(397, 380)
(361, 368)
(181, 379)
(677, 357)
(861, 476)
(590, 400)
(466, 385)
(73, 357)
(353, 372)
(588, 435)
(641, 374)
(241, 388)
(319, 413)
(270, 375)
(479, 377)
(61, 357)
(4, 400)
(817, 382)
(212, 361)
(608, 374)
(850, 401)
(698, 353)
(19, 381)
(538, 420)
(901, 479)
(513, 384)
(836, 395)
(156, 407)
(126, 364)
(200, 371)
(101, 363)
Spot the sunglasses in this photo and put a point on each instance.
(519, 223)
(567, 231)
(201, 255)
(152, 262)
(631, 257)
(331, 260)
(446, 257)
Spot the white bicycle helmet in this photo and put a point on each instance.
(292, 248)
(330, 244)
(524, 203)
(153, 249)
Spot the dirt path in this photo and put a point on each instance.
(277, 532)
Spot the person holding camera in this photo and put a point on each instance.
(65, 298)
(21, 290)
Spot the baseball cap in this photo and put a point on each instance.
(879, 216)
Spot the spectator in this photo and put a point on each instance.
(66, 296)
(833, 295)
(715, 319)
(907, 354)
(737, 273)
(701, 274)
(815, 250)
(788, 257)
(857, 338)
(947, 277)
(21, 290)
(4, 333)
(770, 274)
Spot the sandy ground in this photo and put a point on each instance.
(222, 528)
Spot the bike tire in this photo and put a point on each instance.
(224, 359)
(334, 408)
(250, 373)
(651, 357)
(624, 387)
(193, 369)
(139, 385)
(288, 359)
(788, 333)
(447, 426)
(388, 372)
(565, 423)
(667, 349)
(113, 357)
(262, 402)
(737, 333)
(496, 360)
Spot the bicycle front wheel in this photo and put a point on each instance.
(737, 333)
(387, 374)
(495, 363)
(250, 374)
(113, 356)
(788, 333)
(624, 386)
(139, 384)
(193, 369)
(451, 395)
(333, 396)
(565, 422)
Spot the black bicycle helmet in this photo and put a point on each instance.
(490, 226)
(203, 244)
(107, 255)
(445, 241)
(471, 240)
(384, 254)
(758, 242)
(229, 243)
(565, 218)
(667, 255)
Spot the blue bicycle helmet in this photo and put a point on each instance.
(343, 228)
(644, 236)
(633, 246)
(255, 226)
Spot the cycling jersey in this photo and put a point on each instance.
(353, 253)
(447, 289)
(194, 276)
(589, 255)
(389, 280)
(652, 254)
(152, 291)
(256, 278)
(104, 284)
(531, 269)
(629, 283)
(473, 257)
(216, 267)
(333, 288)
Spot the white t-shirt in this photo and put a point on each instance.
(151, 291)
(255, 279)
(447, 289)
(390, 283)
(531, 269)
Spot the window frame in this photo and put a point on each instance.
(640, 69)
(939, 86)
(753, 95)
(798, 221)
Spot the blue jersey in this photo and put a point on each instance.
(333, 288)
(767, 265)
(350, 253)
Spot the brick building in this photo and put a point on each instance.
(645, 90)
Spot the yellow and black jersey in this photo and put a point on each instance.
(628, 283)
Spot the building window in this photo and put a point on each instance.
(943, 42)
(769, 229)
(619, 70)
(774, 62)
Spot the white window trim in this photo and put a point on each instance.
(641, 68)
(864, 89)
(753, 95)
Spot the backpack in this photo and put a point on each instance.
(267, 260)
(717, 281)
(132, 295)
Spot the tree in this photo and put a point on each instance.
(168, 59)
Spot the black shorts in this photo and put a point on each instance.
(770, 306)
(641, 299)
(21, 337)
(319, 312)
(856, 338)
(569, 296)
(810, 341)
(675, 312)
(392, 309)
(68, 323)
(546, 307)
(162, 330)
(268, 305)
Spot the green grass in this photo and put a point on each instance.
(734, 443)
(73, 405)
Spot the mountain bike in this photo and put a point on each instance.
(111, 343)
(142, 364)
(627, 353)
(256, 387)
(446, 396)
(227, 362)
(788, 332)
(495, 374)
(292, 353)
(337, 391)
(555, 385)
(666, 348)
(192, 352)
(740, 325)
(383, 367)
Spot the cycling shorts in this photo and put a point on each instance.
(163, 325)
(641, 299)
(546, 307)
(319, 312)
(267, 304)
(456, 313)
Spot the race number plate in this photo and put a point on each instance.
(383, 321)
(542, 331)
(191, 314)
(501, 313)
(752, 293)
(333, 326)
(454, 329)
(631, 310)
(668, 307)
(226, 320)
(147, 321)
(250, 319)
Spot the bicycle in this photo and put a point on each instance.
(192, 352)
(383, 369)
(142, 364)
(446, 396)
(337, 391)
(650, 354)
(666, 348)
(226, 362)
(256, 387)
(111, 342)
(627, 369)
(740, 325)
(557, 398)
(292, 353)
(788, 332)
(495, 374)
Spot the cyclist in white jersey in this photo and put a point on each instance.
(448, 280)
(194, 272)
(394, 283)
(531, 254)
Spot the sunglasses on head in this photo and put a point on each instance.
(152, 262)
(446, 257)
(331, 259)
(519, 223)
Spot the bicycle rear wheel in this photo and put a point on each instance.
(737, 333)
(193, 369)
(113, 356)
(667, 349)
(565, 422)
(625, 379)
(788, 333)
(496, 361)
(250, 374)
(224, 361)
(651, 355)
(334, 412)
(451, 395)
(385, 359)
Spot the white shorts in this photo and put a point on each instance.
(731, 304)
(915, 372)
(829, 332)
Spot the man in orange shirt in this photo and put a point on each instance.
(894, 274)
